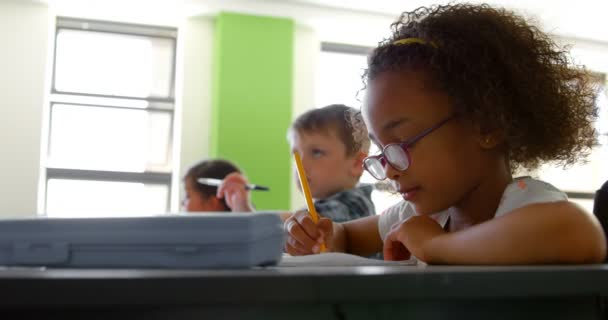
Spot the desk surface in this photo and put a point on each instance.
(78, 287)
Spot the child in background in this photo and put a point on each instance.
(332, 148)
(459, 98)
(200, 197)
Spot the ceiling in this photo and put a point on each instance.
(587, 19)
(581, 19)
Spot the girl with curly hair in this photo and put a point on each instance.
(459, 98)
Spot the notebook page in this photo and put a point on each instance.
(337, 259)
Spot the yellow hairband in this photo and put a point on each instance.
(407, 41)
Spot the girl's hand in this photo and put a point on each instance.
(233, 190)
(304, 236)
(411, 236)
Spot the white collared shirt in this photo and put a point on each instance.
(519, 193)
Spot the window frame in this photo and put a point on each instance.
(334, 47)
(120, 29)
(600, 78)
(161, 175)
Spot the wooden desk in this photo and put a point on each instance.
(555, 292)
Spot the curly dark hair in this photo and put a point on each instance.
(503, 73)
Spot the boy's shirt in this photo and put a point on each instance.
(347, 205)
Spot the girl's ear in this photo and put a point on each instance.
(489, 139)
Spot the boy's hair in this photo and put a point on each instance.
(344, 121)
(217, 169)
(502, 73)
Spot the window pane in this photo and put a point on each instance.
(113, 64)
(585, 177)
(587, 204)
(114, 139)
(339, 79)
(602, 102)
(82, 198)
(159, 137)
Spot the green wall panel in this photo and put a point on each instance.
(252, 101)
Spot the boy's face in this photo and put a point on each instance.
(328, 169)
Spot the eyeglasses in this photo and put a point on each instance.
(396, 154)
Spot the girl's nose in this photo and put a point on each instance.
(391, 173)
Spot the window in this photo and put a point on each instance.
(582, 180)
(339, 82)
(111, 120)
(340, 68)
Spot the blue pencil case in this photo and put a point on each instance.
(210, 240)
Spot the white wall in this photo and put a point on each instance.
(306, 52)
(329, 24)
(194, 65)
(24, 31)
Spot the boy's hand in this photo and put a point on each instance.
(411, 236)
(234, 192)
(304, 236)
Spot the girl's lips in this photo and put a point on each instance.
(409, 194)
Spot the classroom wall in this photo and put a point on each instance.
(307, 48)
(26, 27)
(24, 31)
(193, 97)
(195, 52)
(252, 101)
(329, 23)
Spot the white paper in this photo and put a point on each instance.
(337, 259)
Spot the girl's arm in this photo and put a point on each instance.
(558, 232)
(360, 237)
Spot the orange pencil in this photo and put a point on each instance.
(304, 183)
